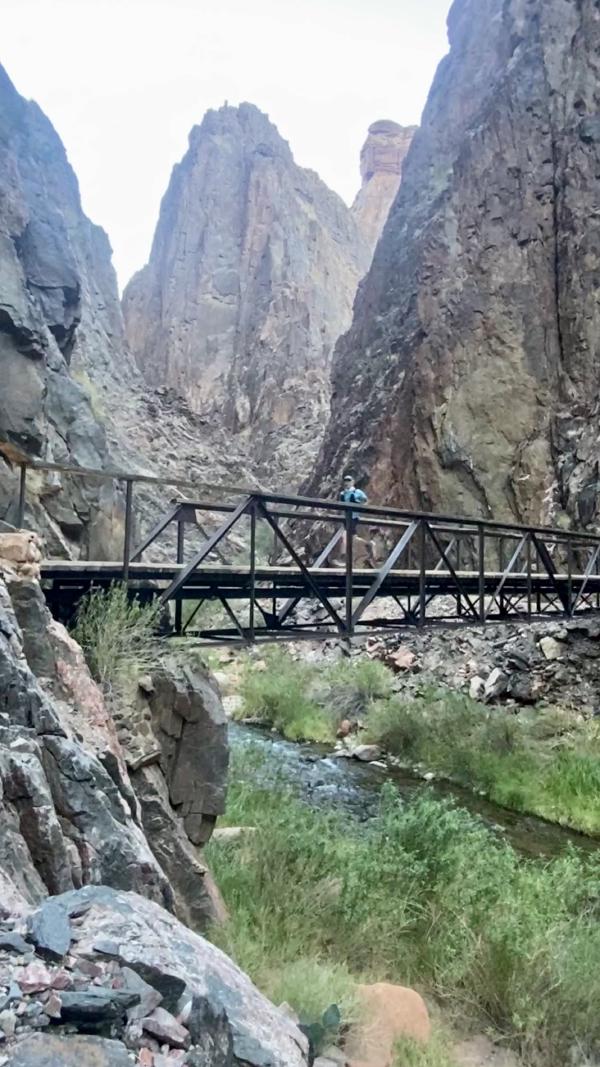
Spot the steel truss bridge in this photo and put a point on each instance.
(266, 567)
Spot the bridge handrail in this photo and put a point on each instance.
(317, 504)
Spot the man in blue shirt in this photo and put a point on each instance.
(351, 495)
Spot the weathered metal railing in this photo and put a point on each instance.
(352, 561)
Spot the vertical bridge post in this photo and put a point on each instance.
(349, 522)
(128, 528)
(180, 558)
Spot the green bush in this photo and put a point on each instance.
(117, 637)
(280, 696)
(435, 1053)
(422, 895)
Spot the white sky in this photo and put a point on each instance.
(123, 82)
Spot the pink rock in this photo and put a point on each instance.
(146, 1058)
(164, 1026)
(61, 980)
(93, 970)
(34, 978)
(53, 1006)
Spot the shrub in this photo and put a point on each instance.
(281, 696)
(117, 637)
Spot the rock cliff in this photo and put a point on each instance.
(250, 282)
(92, 793)
(381, 161)
(59, 317)
(468, 381)
(70, 393)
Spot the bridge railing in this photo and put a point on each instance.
(488, 568)
(492, 569)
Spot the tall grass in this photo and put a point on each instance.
(117, 637)
(544, 764)
(423, 895)
(306, 702)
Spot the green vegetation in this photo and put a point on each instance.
(543, 761)
(423, 895)
(434, 1054)
(306, 702)
(117, 637)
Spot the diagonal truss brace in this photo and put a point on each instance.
(164, 521)
(290, 604)
(505, 576)
(547, 562)
(181, 578)
(302, 568)
(453, 573)
(589, 570)
(382, 574)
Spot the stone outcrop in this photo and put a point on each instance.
(68, 816)
(122, 796)
(128, 983)
(250, 282)
(381, 161)
(468, 381)
(59, 317)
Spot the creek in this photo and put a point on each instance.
(354, 787)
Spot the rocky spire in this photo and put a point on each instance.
(381, 161)
(250, 282)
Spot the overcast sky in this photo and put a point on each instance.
(123, 81)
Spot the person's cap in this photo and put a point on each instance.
(348, 478)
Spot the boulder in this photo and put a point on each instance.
(387, 1013)
(367, 753)
(166, 955)
(496, 685)
(49, 1050)
(477, 688)
(50, 930)
(551, 649)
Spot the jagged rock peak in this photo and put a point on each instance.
(246, 121)
(251, 278)
(469, 379)
(381, 161)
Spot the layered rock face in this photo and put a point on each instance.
(90, 793)
(250, 282)
(381, 161)
(59, 319)
(468, 381)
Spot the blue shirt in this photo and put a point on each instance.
(354, 496)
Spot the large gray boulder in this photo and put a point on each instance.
(225, 1015)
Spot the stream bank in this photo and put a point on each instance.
(329, 783)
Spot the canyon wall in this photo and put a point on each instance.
(59, 317)
(468, 381)
(251, 279)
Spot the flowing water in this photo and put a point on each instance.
(354, 787)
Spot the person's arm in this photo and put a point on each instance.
(361, 498)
